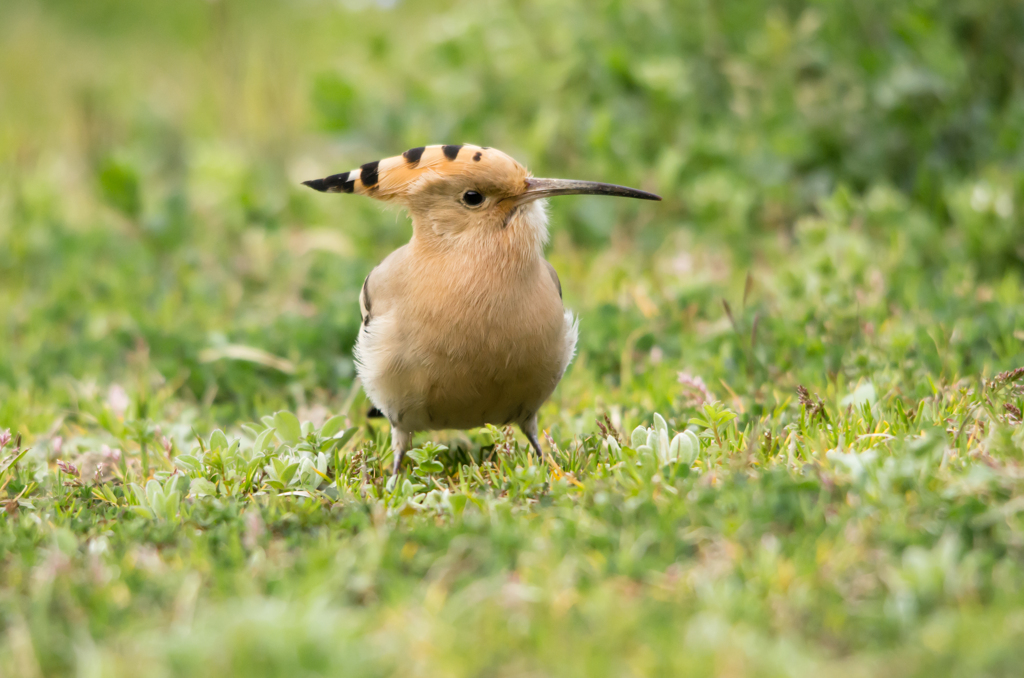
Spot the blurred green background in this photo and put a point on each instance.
(861, 162)
(843, 209)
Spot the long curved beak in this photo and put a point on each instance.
(545, 188)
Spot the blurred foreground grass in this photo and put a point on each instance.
(843, 187)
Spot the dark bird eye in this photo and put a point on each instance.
(472, 198)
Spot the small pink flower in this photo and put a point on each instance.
(68, 468)
(118, 400)
(699, 393)
(5, 437)
(109, 454)
(58, 444)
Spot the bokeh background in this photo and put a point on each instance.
(847, 177)
(843, 210)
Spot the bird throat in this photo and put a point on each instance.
(525, 233)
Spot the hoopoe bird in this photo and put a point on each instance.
(464, 325)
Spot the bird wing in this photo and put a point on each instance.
(364, 301)
(554, 277)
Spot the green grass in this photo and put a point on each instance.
(830, 300)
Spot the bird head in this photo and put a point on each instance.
(451, 189)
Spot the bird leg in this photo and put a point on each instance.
(529, 429)
(401, 441)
